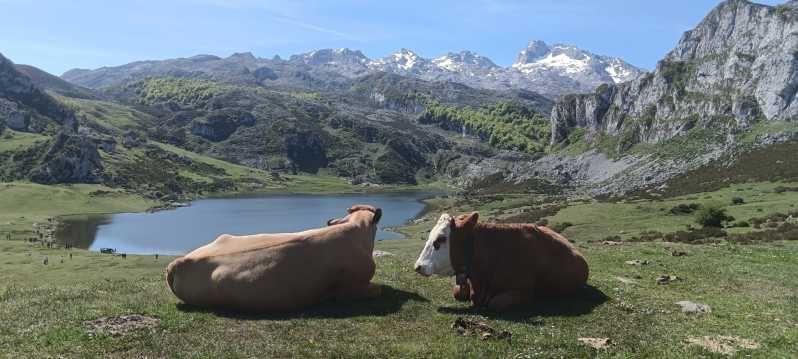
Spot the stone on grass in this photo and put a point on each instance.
(596, 343)
(666, 279)
(637, 262)
(694, 308)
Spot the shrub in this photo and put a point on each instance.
(785, 232)
(782, 189)
(685, 208)
(506, 125)
(742, 224)
(560, 227)
(651, 235)
(712, 216)
(738, 201)
(696, 235)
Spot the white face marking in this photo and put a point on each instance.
(434, 258)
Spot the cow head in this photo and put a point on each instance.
(436, 257)
(376, 214)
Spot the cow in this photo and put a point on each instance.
(501, 266)
(270, 273)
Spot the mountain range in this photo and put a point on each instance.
(723, 101)
(549, 70)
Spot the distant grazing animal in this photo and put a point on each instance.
(500, 266)
(281, 272)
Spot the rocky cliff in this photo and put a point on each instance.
(67, 156)
(25, 107)
(737, 67)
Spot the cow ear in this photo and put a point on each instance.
(470, 220)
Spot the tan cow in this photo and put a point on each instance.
(502, 265)
(281, 272)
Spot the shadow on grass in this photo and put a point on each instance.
(390, 301)
(583, 303)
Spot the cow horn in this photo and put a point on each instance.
(377, 216)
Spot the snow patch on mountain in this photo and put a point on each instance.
(562, 62)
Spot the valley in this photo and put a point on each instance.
(677, 184)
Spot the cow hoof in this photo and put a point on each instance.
(462, 293)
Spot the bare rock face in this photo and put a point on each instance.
(25, 107)
(70, 159)
(738, 66)
(13, 117)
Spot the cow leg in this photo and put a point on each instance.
(356, 282)
(462, 293)
(507, 300)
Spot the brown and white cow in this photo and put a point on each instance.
(281, 272)
(499, 266)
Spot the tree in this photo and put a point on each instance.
(712, 216)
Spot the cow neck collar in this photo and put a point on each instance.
(464, 273)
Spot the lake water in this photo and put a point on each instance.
(181, 230)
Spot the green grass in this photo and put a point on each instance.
(22, 204)
(752, 291)
(109, 115)
(233, 170)
(11, 140)
(596, 220)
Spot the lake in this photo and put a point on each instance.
(178, 231)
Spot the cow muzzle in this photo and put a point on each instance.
(422, 269)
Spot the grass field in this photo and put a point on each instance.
(752, 289)
(23, 204)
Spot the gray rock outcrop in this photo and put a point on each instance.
(70, 159)
(738, 66)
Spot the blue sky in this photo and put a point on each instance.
(57, 35)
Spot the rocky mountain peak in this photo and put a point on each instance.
(534, 51)
(204, 58)
(243, 56)
(457, 61)
(540, 60)
(403, 61)
(550, 70)
(342, 56)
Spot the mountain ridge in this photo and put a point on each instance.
(548, 77)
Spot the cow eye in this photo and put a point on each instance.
(437, 242)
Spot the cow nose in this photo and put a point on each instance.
(419, 269)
